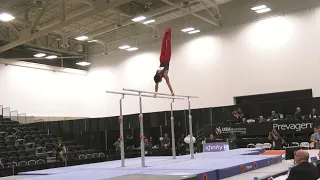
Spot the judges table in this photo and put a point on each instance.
(245, 131)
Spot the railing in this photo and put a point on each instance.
(30, 119)
(14, 115)
(22, 118)
(6, 113)
(1, 110)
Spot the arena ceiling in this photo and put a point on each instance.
(51, 26)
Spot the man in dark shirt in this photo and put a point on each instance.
(166, 141)
(181, 145)
(313, 113)
(273, 115)
(261, 119)
(211, 139)
(232, 140)
(244, 121)
(304, 170)
(148, 146)
(275, 138)
(297, 114)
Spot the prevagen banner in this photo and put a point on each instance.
(215, 147)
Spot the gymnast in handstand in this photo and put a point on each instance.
(165, 57)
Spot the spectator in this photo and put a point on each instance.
(181, 145)
(240, 113)
(232, 140)
(166, 141)
(261, 119)
(151, 140)
(304, 170)
(244, 121)
(235, 114)
(275, 138)
(317, 137)
(129, 142)
(273, 115)
(61, 151)
(297, 114)
(313, 138)
(313, 113)
(211, 139)
(117, 145)
(147, 146)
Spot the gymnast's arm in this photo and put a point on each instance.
(156, 88)
(166, 77)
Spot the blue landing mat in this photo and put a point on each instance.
(212, 165)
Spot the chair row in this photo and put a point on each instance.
(90, 156)
(25, 163)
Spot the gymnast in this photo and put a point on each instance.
(165, 57)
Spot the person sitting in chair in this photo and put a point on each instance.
(61, 151)
(304, 170)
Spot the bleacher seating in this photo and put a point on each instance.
(22, 145)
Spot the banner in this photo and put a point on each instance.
(215, 147)
(293, 126)
(282, 126)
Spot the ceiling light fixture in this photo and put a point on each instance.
(149, 21)
(6, 17)
(258, 7)
(140, 18)
(187, 29)
(51, 57)
(193, 32)
(92, 41)
(263, 10)
(81, 38)
(124, 47)
(132, 49)
(84, 63)
(39, 55)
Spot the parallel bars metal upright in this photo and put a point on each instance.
(141, 126)
(190, 116)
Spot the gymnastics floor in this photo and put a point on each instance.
(207, 166)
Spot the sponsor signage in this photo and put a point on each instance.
(216, 147)
(282, 126)
(294, 126)
(227, 130)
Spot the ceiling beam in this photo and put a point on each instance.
(190, 12)
(14, 29)
(98, 8)
(62, 10)
(39, 15)
(70, 14)
(88, 2)
(128, 22)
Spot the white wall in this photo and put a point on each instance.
(271, 55)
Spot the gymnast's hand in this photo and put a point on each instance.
(155, 95)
